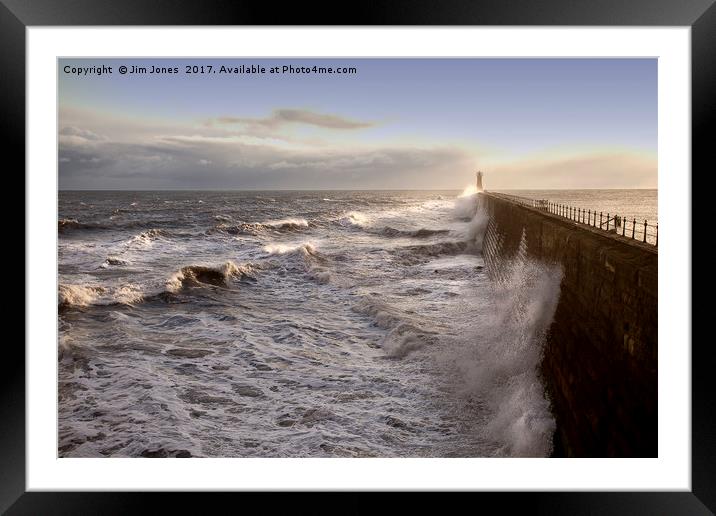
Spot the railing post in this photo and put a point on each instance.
(633, 228)
(645, 225)
(589, 217)
(607, 221)
(600, 220)
(656, 243)
(623, 227)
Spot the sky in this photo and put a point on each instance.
(393, 124)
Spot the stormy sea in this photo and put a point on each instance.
(295, 324)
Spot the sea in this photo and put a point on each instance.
(300, 324)
(634, 204)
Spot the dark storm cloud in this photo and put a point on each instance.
(209, 162)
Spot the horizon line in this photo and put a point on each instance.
(325, 189)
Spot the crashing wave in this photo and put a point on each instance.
(130, 294)
(256, 228)
(196, 275)
(302, 257)
(148, 236)
(465, 205)
(305, 248)
(354, 219)
(78, 295)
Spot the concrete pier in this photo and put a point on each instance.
(600, 358)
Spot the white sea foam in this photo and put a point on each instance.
(465, 206)
(499, 363)
(145, 238)
(78, 295)
(355, 218)
(279, 248)
(475, 231)
(468, 191)
(129, 294)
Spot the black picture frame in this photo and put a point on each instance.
(700, 15)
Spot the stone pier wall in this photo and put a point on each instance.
(600, 357)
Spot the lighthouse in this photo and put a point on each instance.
(479, 182)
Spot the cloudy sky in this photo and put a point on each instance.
(396, 123)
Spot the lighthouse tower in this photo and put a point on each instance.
(479, 182)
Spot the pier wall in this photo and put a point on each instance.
(600, 357)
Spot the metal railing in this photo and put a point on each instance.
(645, 232)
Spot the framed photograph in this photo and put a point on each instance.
(421, 250)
